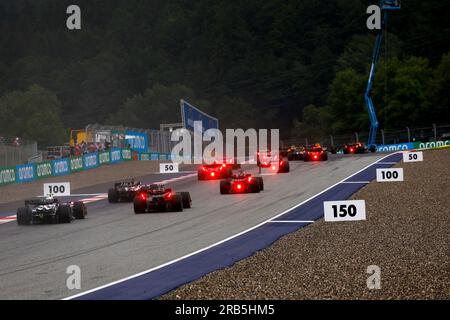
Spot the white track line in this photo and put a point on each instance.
(387, 162)
(220, 242)
(291, 221)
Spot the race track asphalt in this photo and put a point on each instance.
(113, 242)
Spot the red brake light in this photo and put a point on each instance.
(315, 156)
(212, 174)
(142, 196)
(203, 168)
(169, 195)
(281, 162)
(250, 179)
(351, 149)
(274, 168)
(239, 187)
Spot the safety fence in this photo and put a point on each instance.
(433, 133)
(34, 171)
(14, 151)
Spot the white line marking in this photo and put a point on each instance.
(291, 221)
(360, 182)
(176, 172)
(387, 162)
(81, 195)
(217, 243)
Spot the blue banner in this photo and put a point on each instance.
(189, 114)
(61, 167)
(90, 160)
(25, 173)
(395, 147)
(154, 156)
(137, 141)
(116, 155)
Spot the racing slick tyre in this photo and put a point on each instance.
(261, 183)
(24, 216)
(113, 196)
(79, 210)
(177, 203)
(139, 206)
(186, 198)
(284, 168)
(224, 187)
(64, 214)
(325, 157)
(254, 187)
(200, 176)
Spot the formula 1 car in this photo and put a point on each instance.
(351, 148)
(295, 153)
(265, 159)
(315, 153)
(242, 183)
(124, 191)
(158, 198)
(214, 171)
(50, 210)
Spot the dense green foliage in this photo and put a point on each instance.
(249, 63)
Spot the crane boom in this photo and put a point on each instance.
(385, 6)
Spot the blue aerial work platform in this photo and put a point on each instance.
(385, 6)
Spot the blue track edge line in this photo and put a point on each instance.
(158, 282)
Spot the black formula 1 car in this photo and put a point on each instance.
(242, 183)
(295, 153)
(315, 153)
(158, 198)
(50, 210)
(351, 148)
(214, 171)
(124, 191)
(271, 161)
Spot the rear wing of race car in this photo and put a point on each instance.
(40, 202)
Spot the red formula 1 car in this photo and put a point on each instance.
(351, 148)
(315, 153)
(271, 161)
(158, 198)
(242, 183)
(214, 171)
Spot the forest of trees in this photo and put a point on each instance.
(297, 65)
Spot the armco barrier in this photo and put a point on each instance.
(61, 167)
(412, 146)
(7, 175)
(432, 145)
(126, 154)
(90, 161)
(76, 164)
(116, 155)
(33, 171)
(44, 170)
(104, 157)
(395, 147)
(25, 173)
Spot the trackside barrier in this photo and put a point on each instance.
(33, 171)
(413, 146)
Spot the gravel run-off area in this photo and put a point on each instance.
(406, 235)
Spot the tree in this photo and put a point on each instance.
(159, 104)
(440, 87)
(346, 102)
(33, 115)
(401, 93)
